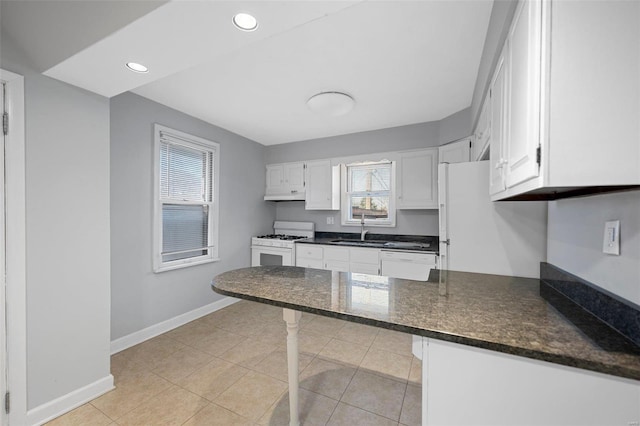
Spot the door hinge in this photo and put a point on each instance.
(538, 154)
(5, 123)
(7, 402)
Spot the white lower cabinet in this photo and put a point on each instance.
(336, 258)
(473, 386)
(371, 261)
(365, 261)
(309, 256)
(407, 265)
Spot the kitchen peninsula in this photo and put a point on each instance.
(494, 349)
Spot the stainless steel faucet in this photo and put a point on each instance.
(363, 232)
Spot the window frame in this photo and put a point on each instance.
(192, 142)
(346, 195)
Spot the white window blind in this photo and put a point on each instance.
(186, 217)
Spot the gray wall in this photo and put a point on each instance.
(499, 22)
(574, 241)
(67, 228)
(141, 298)
(414, 136)
(454, 127)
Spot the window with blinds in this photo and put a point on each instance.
(186, 199)
(368, 194)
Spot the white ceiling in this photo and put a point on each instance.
(403, 62)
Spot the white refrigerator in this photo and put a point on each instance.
(478, 235)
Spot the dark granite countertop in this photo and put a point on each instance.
(420, 243)
(506, 314)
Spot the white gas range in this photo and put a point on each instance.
(279, 248)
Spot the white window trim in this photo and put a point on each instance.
(344, 213)
(214, 229)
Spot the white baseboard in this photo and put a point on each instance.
(68, 402)
(140, 336)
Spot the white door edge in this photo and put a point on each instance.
(15, 259)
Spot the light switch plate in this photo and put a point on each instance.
(611, 240)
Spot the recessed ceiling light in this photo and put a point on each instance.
(331, 103)
(245, 22)
(136, 67)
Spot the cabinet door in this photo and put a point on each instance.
(483, 129)
(294, 177)
(524, 50)
(275, 179)
(364, 255)
(418, 179)
(336, 253)
(497, 181)
(304, 262)
(309, 251)
(336, 265)
(322, 186)
(456, 152)
(364, 268)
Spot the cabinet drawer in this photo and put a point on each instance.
(336, 265)
(409, 257)
(336, 253)
(305, 262)
(309, 251)
(364, 255)
(365, 268)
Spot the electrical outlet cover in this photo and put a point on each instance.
(611, 239)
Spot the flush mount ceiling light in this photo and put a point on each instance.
(136, 67)
(333, 104)
(245, 22)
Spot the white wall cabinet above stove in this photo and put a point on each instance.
(455, 152)
(571, 103)
(417, 179)
(285, 181)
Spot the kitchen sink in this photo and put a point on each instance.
(359, 243)
(381, 244)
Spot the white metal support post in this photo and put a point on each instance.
(292, 318)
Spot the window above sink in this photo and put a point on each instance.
(368, 194)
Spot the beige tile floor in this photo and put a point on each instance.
(229, 368)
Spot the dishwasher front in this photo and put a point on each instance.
(409, 265)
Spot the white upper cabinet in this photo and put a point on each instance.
(498, 99)
(482, 133)
(285, 181)
(294, 177)
(322, 186)
(275, 179)
(571, 99)
(523, 132)
(455, 152)
(417, 179)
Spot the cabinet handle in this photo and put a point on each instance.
(293, 191)
(500, 164)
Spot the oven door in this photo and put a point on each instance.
(271, 256)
